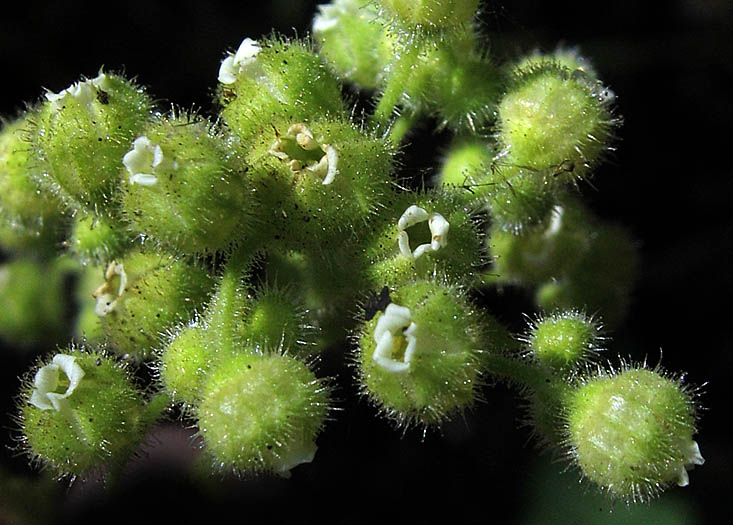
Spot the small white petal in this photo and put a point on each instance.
(297, 454)
(682, 478)
(332, 158)
(412, 215)
(403, 241)
(247, 52)
(394, 319)
(694, 457)
(143, 179)
(69, 366)
(328, 18)
(227, 71)
(438, 230)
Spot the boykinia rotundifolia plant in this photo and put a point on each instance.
(231, 253)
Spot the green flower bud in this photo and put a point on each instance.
(422, 233)
(631, 432)
(30, 219)
(437, 14)
(32, 302)
(97, 239)
(185, 362)
(354, 41)
(181, 187)
(464, 166)
(563, 340)
(278, 321)
(419, 359)
(262, 413)
(143, 295)
(82, 134)
(557, 120)
(80, 412)
(270, 81)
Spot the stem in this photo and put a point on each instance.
(521, 372)
(227, 303)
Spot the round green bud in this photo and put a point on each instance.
(82, 134)
(421, 233)
(464, 166)
(631, 432)
(261, 413)
(97, 239)
(419, 358)
(354, 41)
(438, 14)
(181, 187)
(80, 413)
(184, 363)
(563, 340)
(557, 120)
(277, 320)
(270, 81)
(30, 220)
(143, 295)
(32, 301)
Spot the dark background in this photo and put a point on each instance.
(671, 65)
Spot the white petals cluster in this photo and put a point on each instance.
(46, 381)
(325, 168)
(142, 160)
(84, 92)
(233, 65)
(394, 324)
(438, 225)
(297, 454)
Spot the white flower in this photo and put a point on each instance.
(84, 92)
(438, 225)
(325, 168)
(243, 59)
(106, 295)
(394, 333)
(327, 18)
(142, 160)
(692, 458)
(46, 381)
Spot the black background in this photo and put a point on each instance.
(671, 65)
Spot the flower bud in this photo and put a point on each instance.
(354, 41)
(631, 432)
(431, 13)
(30, 220)
(261, 413)
(554, 119)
